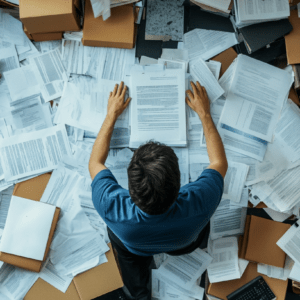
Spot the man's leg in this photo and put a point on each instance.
(135, 269)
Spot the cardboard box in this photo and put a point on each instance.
(116, 32)
(222, 289)
(225, 58)
(258, 244)
(44, 16)
(292, 40)
(296, 287)
(41, 37)
(27, 190)
(88, 285)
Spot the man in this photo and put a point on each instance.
(155, 215)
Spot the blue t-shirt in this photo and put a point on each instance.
(145, 234)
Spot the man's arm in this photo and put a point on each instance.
(115, 107)
(199, 102)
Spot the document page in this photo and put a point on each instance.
(227, 220)
(183, 161)
(218, 4)
(52, 72)
(225, 264)
(290, 243)
(8, 58)
(52, 276)
(40, 150)
(158, 107)
(286, 131)
(255, 99)
(76, 57)
(200, 72)
(263, 10)
(205, 44)
(16, 282)
(185, 269)
(101, 8)
(215, 67)
(161, 290)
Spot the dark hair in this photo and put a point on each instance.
(154, 178)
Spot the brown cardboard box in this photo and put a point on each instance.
(292, 40)
(88, 285)
(116, 32)
(27, 190)
(44, 16)
(225, 58)
(296, 287)
(223, 289)
(41, 37)
(259, 241)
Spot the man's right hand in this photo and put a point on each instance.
(198, 100)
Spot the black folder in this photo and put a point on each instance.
(258, 36)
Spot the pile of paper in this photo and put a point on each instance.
(257, 11)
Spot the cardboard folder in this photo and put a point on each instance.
(225, 58)
(27, 190)
(292, 40)
(258, 244)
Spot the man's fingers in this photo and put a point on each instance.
(120, 90)
(194, 88)
(190, 94)
(204, 91)
(127, 102)
(199, 87)
(124, 91)
(188, 102)
(110, 94)
(115, 90)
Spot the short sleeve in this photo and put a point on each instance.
(105, 189)
(205, 193)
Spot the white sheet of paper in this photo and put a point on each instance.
(8, 59)
(225, 264)
(27, 228)
(295, 272)
(215, 67)
(52, 276)
(207, 43)
(227, 220)
(40, 150)
(157, 107)
(255, 99)
(290, 242)
(188, 273)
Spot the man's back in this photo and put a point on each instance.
(144, 234)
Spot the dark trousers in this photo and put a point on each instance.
(136, 269)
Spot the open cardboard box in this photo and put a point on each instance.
(118, 31)
(225, 58)
(23, 262)
(258, 244)
(85, 286)
(41, 37)
(220, 290)
(44, 16)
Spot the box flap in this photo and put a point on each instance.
(222, 289)
(225, 58)
(261, 246)
(38, 8)
(27, 263)
(42, 290)
(99, 280)
(293, 96)
(33, 188)
(243, 239)
(117, 31)
(292, 40)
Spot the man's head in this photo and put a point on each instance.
(154, 178)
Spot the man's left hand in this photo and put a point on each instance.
(116, 104)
